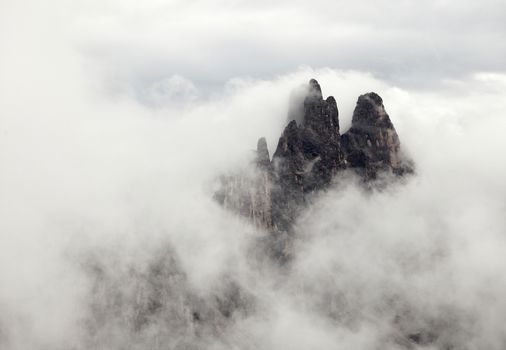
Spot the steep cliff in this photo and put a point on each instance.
(371, 144)
(310, 152)
(307, 156)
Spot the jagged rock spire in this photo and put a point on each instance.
(309, 153)
(372, 144)
(370, 111)
(314, 90)
(263, 159)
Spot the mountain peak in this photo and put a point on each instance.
(370, 111)
(314, 89)
(371, 144)
(263, 158)
(311, 153)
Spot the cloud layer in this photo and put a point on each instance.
(132, 48)
(98, 188)
(413, 45)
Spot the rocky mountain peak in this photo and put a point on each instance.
(322, 116)
(314, 90)
(263, 159)
(310, 153)
(371, 144)
(370, 111)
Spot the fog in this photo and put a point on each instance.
(110, 238)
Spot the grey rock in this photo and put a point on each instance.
(310, 152)
(307, 156)
(372, 144)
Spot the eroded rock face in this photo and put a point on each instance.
(307, 156)
(310, 152)
(248, 191)
(372, 144)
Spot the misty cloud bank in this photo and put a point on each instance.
(110, 239)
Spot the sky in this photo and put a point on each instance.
(116, 117)
(407, 43)
(137, 48)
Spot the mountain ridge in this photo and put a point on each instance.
(309, 155)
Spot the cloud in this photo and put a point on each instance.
(97, 188)
(413, 45)
(173, 90)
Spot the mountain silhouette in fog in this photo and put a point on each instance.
(311, 152)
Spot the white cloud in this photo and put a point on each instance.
(413, 44)
(173, 90)
(85, 176)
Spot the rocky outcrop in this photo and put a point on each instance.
(372, 145)
(308, 155)
(248, 191)
(310, 152)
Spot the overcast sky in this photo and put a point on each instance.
(134, 46)
(410, 43)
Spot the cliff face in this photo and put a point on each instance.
(249, 191)
(372, 144)
(308, 156)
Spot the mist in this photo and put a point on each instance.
(110, 237)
